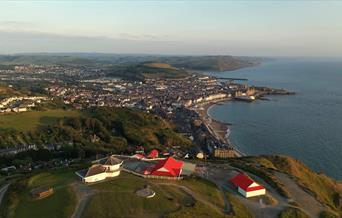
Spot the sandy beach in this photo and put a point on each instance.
(217, 128)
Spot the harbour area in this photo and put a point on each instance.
(221, 130)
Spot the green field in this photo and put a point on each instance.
(170, 200)
(31, 120)
(117, 198)
(59, 205)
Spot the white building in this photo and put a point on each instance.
(105, 168)
(247, 187)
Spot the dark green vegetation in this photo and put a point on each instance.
(19, 203)
(293, 212)
(83, 134)
(328, 214)
(325, 189)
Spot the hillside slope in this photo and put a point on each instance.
(211, 63)
(323, 188)
(108, 129)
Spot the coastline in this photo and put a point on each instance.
(220, 130)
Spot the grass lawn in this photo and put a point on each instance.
(59, 205)
(117, 198)
(30, 120)
(206, 189)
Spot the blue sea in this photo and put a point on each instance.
(307, 126)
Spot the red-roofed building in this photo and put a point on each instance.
(246, 186)
(153, 154)
(168, 167)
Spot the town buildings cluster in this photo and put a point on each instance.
(20, 104)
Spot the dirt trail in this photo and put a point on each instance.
(3, 191)
(307, 202)
(84, 194)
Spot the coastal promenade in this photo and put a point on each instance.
(219, 130)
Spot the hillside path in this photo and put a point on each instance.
(306, 201)
(83, 194)
(3, 191)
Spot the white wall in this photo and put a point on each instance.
(113, 174)
(252, 193)
(113, 167)
(96, 178)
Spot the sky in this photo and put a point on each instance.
(250, 28)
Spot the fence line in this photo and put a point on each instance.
(152, 176)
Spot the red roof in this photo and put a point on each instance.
(153, 154)
(243, 181)
(167, 167)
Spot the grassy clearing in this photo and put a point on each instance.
(171, 200)
(31, 120)
(199, 210)
(239, 210)
(292, 212)
(118, 199)
(59, 205)
(160, 65)
(206, 189)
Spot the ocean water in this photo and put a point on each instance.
(307, 126)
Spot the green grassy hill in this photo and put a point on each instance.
(211, 63)
(117, 198)
(146, 70)
(98, 129)
(324, 188)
